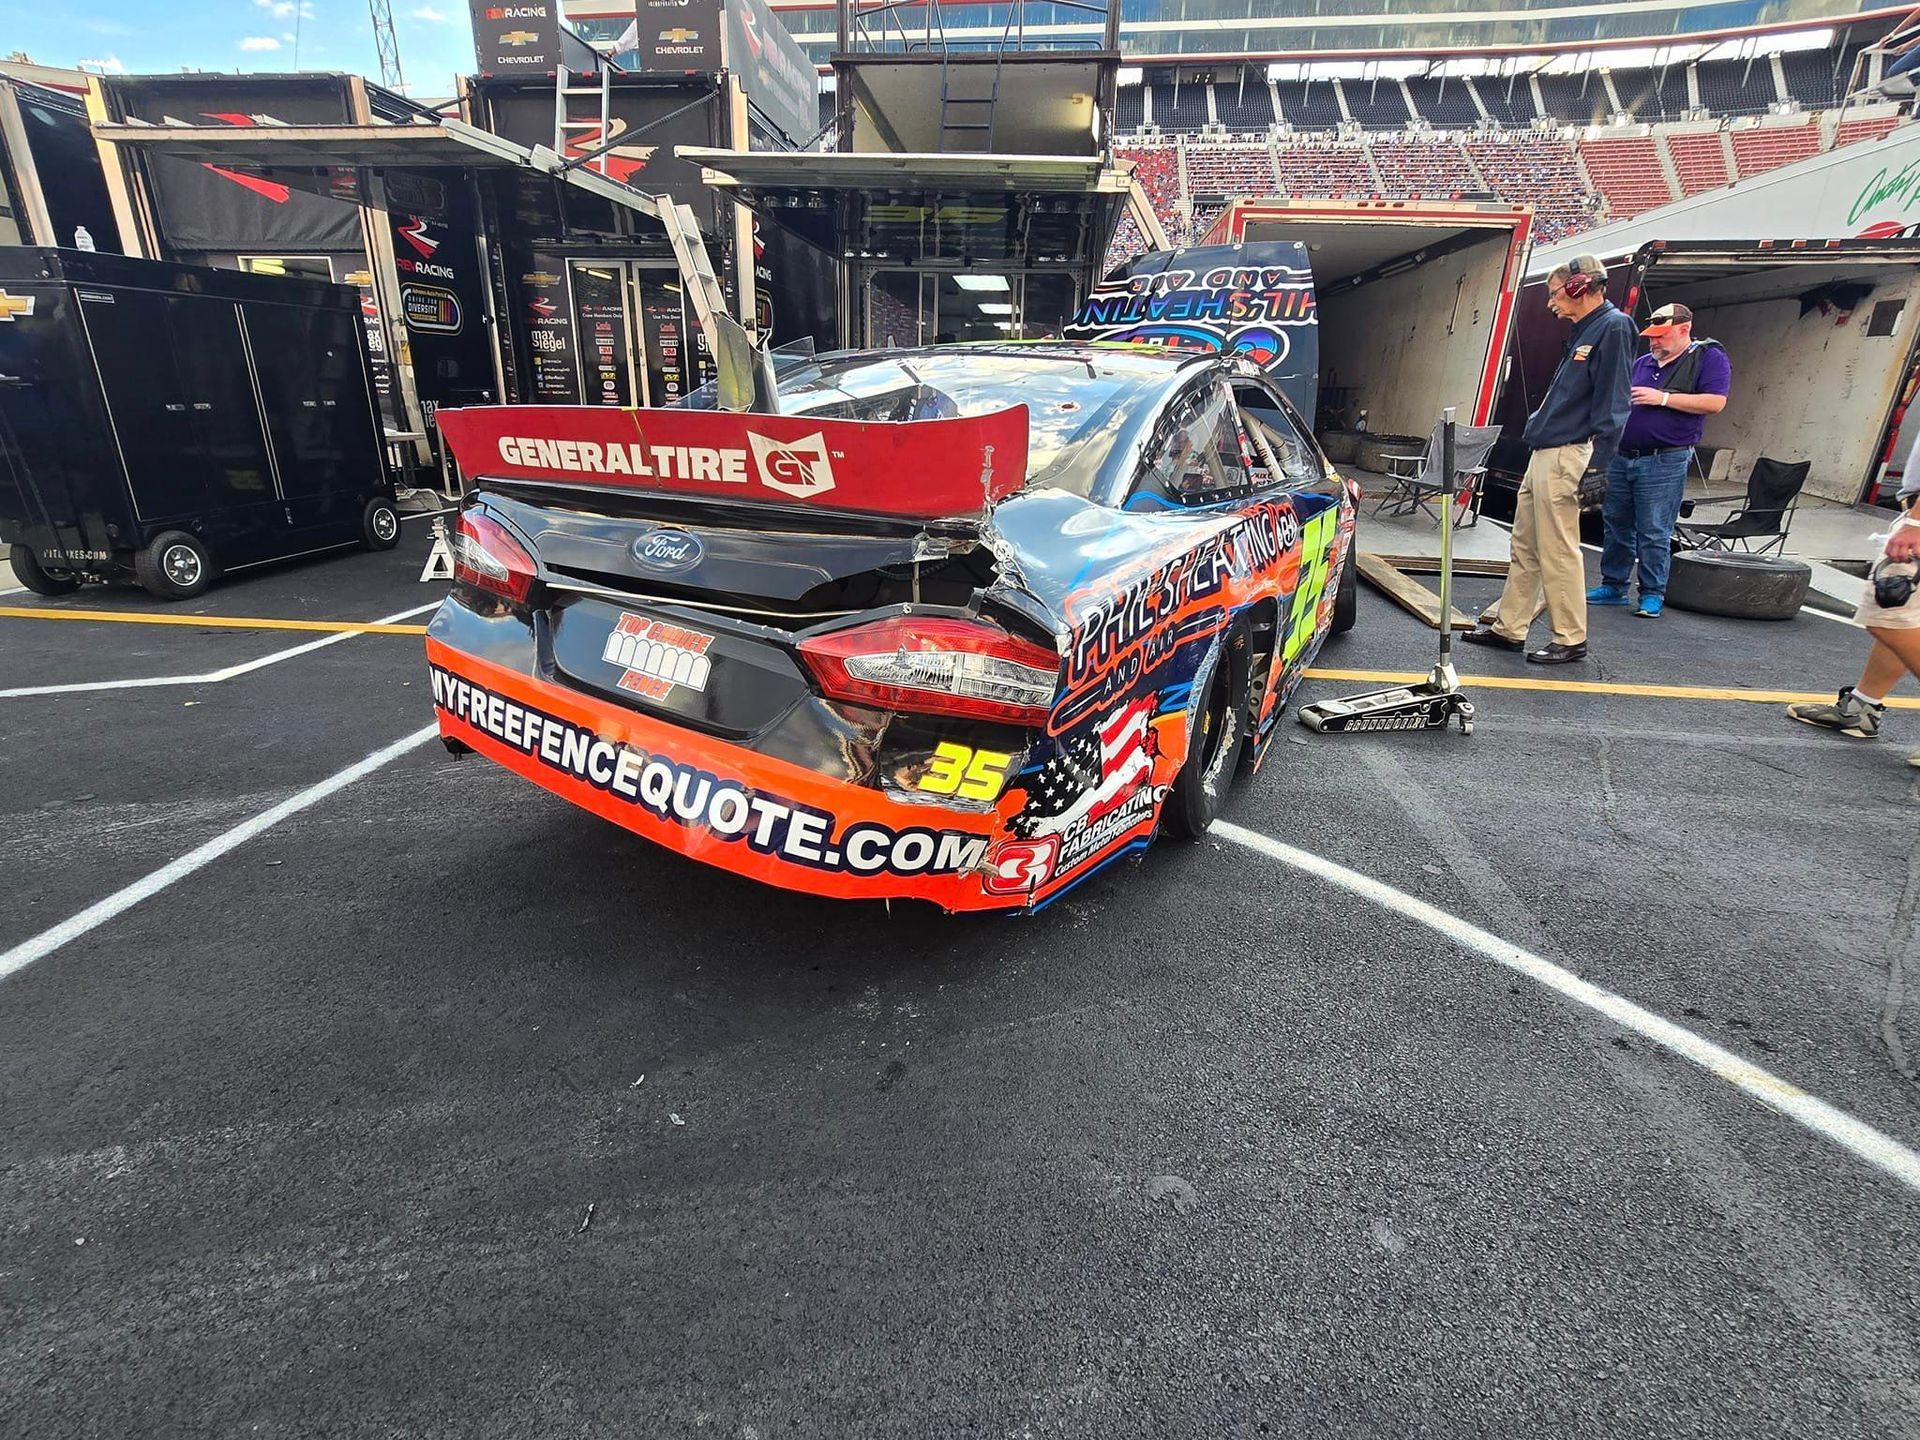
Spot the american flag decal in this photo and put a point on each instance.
(1093, 774)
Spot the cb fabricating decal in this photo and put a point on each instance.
(719, 806)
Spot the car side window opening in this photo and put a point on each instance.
(1200, 455)
(1278, 439)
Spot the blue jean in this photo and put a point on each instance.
(1643, 502)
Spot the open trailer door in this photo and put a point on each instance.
(1415, 302)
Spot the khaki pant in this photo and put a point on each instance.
(1547, 572)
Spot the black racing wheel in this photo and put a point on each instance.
(1213, 751)
(36, 577)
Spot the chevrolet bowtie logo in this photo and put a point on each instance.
(678, 37)
(519, 37)
(13, 306)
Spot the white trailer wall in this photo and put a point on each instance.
(1411, 343)
(1804, 386)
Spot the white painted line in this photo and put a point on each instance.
(1879, 1150)
(212, 677)
(145, 888)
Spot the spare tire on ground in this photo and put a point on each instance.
(1746, 587)
(1341, 445)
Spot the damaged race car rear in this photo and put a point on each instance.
(904, 639)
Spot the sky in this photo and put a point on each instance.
(163, 36)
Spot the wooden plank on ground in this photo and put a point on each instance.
(1430, 565)
(1409, 594)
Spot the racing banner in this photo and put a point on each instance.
(1255, 300)
(516, 39)
(920, 469)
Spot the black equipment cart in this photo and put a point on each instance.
(170, 422)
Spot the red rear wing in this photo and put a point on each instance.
(912, 469)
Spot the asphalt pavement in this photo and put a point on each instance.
(440, 1108)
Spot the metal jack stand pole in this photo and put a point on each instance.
(1436, 700)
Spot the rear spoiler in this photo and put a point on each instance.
(908, 469)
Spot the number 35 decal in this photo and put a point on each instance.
(965, 772)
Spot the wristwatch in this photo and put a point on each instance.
(1665, 396)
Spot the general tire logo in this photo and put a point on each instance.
(668, 550)
(799, 468)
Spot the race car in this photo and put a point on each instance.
(963, 624)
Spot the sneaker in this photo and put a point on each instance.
(1651, 606)
(1607, 593)
(1847, 716)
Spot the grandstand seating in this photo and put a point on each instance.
(1539, 170)
(1699, 159)
(1244, 108)
(1627, 174)
(1849, 132)
(1508, 101)
(1127, 243)
(1180, 107)
(1230, 170)
(1575, 99)
(1376, 104)
(1447, 103)
(1128, 108)
(1810, 78)
(1768, 147)
(1732, 87)
(1735, 87)
(1309, 105)
(1573, 180)
(1157, 168)
(1325, 172)
(1430, 169)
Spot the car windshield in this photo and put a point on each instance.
(1076, 407)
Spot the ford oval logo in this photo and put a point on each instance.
(668, 550)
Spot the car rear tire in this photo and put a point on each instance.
(175, 566)
(1213, 754)
(1346, 600)
(1745, 587)
(36, 577)
(380, 525)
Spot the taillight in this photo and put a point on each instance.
(486, 557)
(937, 666)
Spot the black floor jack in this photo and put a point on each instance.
(1431, 703)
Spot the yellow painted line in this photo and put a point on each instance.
(209, 622)
(1601, 687)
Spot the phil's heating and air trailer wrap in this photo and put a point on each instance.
(848, 657)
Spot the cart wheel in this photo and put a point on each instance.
(380, 525)
(1466, 726)
(175, 566)
(36, 577)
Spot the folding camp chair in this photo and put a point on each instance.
(1762, 522)
(1414, 482)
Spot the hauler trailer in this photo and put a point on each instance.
(166, 422)
(1821, 333)
(1415, 299)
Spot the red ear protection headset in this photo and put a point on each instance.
(1577, 283)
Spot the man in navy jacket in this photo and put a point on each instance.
(1576, 429)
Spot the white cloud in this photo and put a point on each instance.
(259, 42)
(106, 65)
(429, 14)
(112, 29)
(287, 9)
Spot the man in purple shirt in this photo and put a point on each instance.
(1676, 385)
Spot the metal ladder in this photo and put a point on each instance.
(965, 106)
(567, 129)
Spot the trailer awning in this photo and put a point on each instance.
(1030, 209)
(317, 147)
